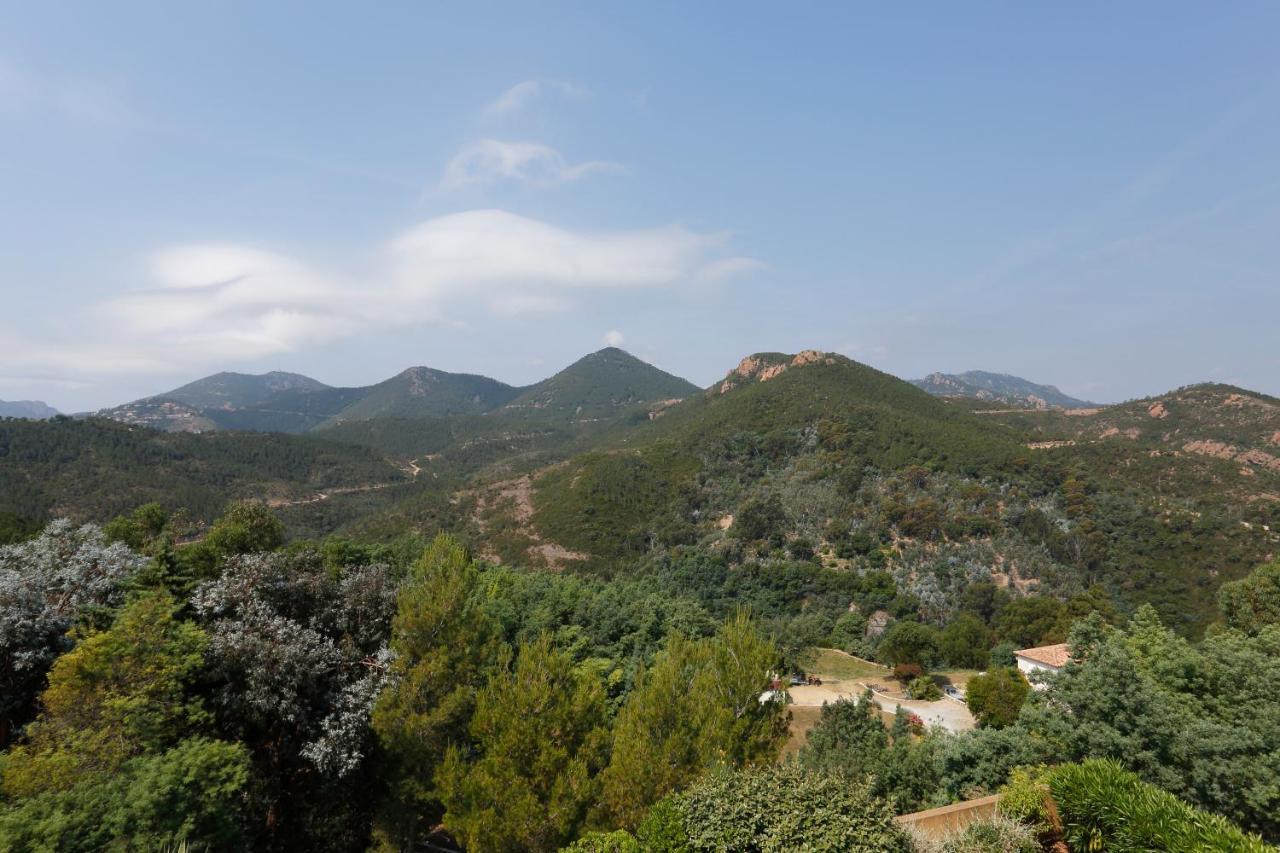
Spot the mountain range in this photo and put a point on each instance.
(596, 386)
(1000, 388)
(33, 409)
(611, 463)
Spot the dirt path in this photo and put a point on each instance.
(319, 497)
(517, 496)
(951, 715)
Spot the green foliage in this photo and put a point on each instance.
(188, 794)
(444, 646)
(908, 642)
(1002, 654)
(662, 830)
(245, 528)
(848, 736)
(784, 808)
(139, 528)
(851, 739)
(996, 698)
(966, 642)
(98, 469)
(760, 519)
(924, 689)
(618, 841)
(15, 528)
(1197, 721)
(1026, 798)
(1104, 806)
(539, 742)
(117, 695)
(697, 706)
(114, 760)
(1036, 620)
(1253, 602)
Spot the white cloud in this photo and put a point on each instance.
(489, 161)
(613, 338)
(212, 304)
(522, 94)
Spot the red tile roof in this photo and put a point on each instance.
(1056, 655)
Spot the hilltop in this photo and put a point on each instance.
(421, 391)
(34, 409)
(816, 456)
(599, 386)
(241, 390)
(999, 388)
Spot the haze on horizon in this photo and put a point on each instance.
(1084, 196)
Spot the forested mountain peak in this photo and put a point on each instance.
(999, 388)
(237, 390)
(600, 382)
(420, 391)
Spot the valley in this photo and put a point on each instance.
(653, 549)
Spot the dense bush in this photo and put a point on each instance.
(786, 808)
(996, 697)
(1104, 806)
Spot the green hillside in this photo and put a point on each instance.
(792, 456)
(239, 390)
(668, 480)
(598, 386)
(422, 391)
(95, 469)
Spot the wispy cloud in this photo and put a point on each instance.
(727, 268)
(214, 303)
(490, 161)
(524, 93)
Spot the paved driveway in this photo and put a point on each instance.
(951, 715)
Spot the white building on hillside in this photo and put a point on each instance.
(1042, 658)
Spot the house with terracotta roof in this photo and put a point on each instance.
(1042, 658)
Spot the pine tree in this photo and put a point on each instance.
(444, 645)
(540, 742)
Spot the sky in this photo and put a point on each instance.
(1086, 194)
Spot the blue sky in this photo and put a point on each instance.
(1086, 194)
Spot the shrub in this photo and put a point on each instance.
(618, 841)
(662, 830)
(787, 807)
(1002, 655)
(907, 672)
(996, 698)
(1026, 799)
(1104, 806)
(996, 834)
(924, 689)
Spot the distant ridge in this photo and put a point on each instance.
(33, 409)
(238, 390)
(597, 386)
(999, 388)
